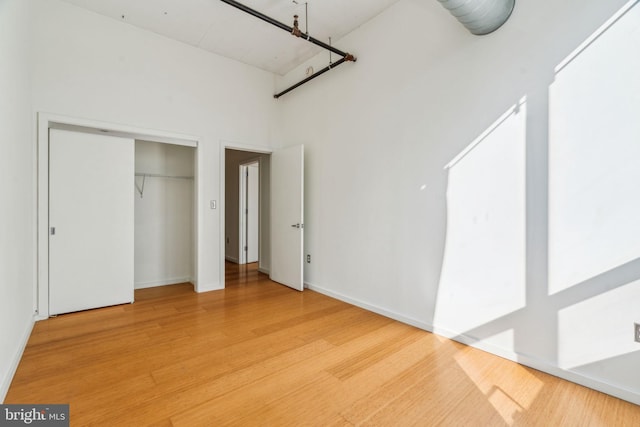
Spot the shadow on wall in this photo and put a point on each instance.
(542, 253)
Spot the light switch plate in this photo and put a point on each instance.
(213, 204)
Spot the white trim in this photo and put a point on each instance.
(231, 259)
(165, 282)
(116, 129)
(45, 121)
(222, 205)
(13, 367)
(632, 396)
(243, 147)
(374, 308)
(542, 365)
(207, 287)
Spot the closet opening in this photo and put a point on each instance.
(161, 187)
(164, 237)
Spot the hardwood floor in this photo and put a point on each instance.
(258, 353)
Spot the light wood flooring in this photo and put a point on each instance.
(258, 353)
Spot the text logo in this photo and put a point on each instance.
(34, 415)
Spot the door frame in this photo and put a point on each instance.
(243, 225)
(231, 145)
(47, 121)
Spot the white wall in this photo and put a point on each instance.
(450, 179)
(164, 215)
(17, 260)
(89, 66)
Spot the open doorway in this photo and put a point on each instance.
(247, 208)
(281, 212)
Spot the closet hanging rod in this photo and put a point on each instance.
(155, 175)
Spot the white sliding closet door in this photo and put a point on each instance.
(91, 220)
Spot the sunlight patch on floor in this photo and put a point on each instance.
(510, 388)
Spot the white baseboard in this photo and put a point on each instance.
(632, 396)
(263, 270)
(164, 282)
(13, 367)
(374, 308)
(207, 287)
(232, 259)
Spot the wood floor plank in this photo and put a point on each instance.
(259, 353)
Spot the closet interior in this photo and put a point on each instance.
(164, 215)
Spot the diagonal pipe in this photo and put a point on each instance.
(311, 77)
(282, 26)
(345, 55)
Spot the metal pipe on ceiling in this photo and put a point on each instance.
(282, 26)
(480, 17)
(311, 77)
(345, 55)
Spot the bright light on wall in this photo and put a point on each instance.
(594, 147)
(585, 338)
(483, 273)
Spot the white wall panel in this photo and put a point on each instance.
(467, 250)
(17, 158)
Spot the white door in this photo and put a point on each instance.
(249, 213)
(287, 213)
(91, 217)
(253, 209)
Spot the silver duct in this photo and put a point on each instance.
(480, 16)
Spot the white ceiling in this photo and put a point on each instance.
(217, 27)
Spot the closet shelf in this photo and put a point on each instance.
(155, 175)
